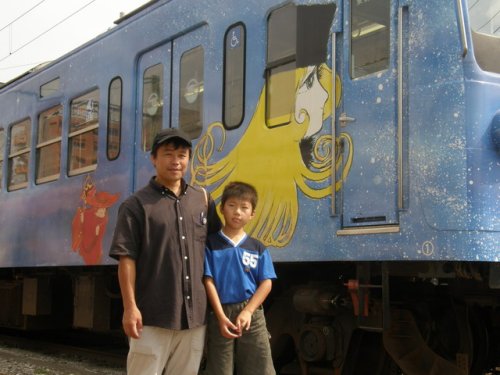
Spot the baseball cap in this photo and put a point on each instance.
(166, 134)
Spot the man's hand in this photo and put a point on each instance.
(132, 323)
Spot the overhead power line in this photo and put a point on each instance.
(22, 15)
(46, 31)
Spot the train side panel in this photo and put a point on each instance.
(369, 129)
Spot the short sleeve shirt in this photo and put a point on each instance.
(237, 269)
(166, 235)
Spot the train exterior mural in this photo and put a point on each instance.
(370, 129)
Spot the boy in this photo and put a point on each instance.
(238, 277)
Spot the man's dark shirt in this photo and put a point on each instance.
(165, 235)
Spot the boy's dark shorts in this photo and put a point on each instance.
(250, 354)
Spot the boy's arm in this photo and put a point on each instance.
(132, 318)
(245, 317)
(226, 327)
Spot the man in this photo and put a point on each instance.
(159, 240)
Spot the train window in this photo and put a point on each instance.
(297, 37)
(234, 76)
(369, 36)
(485, 25)
(152, 104)
(83, 133)
(50, 88)
(19, 156)
(2, 150)
(191, 89)
(485, 16)
(279, 94)
(48, 148)
(282, 31)
(281, 64)
(114, 118)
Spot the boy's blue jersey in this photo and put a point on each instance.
(237, 269)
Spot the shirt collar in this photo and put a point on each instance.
(164, 190)
(234, 244)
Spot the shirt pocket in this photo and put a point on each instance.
(200, 227)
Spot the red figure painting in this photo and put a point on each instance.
(90, 221)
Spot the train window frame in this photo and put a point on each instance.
(51, 144)
(281, 58)
(24, 152)
(191, 90)
(2, 151)
(113, 141)
(75, 134)
(234, 71)
(152, 105)
(377, 33)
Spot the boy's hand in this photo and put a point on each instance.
(244, 320)
(228, 329)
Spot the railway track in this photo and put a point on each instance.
(76, 353)
(61, 353)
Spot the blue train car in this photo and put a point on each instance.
(370, 129)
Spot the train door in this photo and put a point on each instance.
(368, 115)
(171, 86)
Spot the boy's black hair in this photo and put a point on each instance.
(242, 190)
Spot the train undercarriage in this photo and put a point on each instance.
(345, 318)
(387, 318)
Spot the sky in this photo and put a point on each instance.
(37, 31)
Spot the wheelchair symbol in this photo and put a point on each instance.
(234, 40)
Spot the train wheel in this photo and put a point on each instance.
(439, 338)
(366, 355)
(459, 333)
